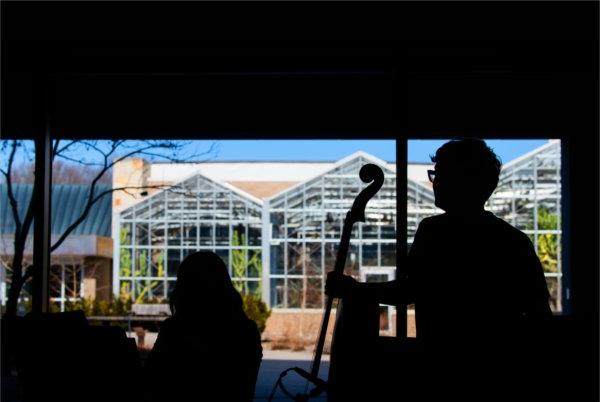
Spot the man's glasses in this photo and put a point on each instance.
(431, 174)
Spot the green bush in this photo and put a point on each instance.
(115, 307)
(256, 310)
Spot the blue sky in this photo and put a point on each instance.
(315, 150)
(331, 150)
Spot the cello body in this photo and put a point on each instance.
(367, 367)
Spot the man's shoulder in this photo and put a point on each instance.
(494, 225)
(433, 220)
(507, 230)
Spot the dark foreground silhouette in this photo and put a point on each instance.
(208, 350)
(479, 293)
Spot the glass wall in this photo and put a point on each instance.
(303, 225)
(305, 229)
(155, 235)
(528, 197)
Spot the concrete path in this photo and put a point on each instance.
(274, 362)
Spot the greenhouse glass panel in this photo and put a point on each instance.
(206, 234)
(314, 260)
(142, 212)
(295, 199)
(157, 234)
(370, 255)
(125, 263)
(254, 264)
(295, 254)
(141, 263)
(222, 203)
(174, 233)
(314, 195)
(157, 291)
(278, 225)
(314, 293)
(222, 234)
(141, 234)
(352, 262)
(388, 254)
(157, 206)
(333, 225)
(190, 234)
(313, 224)
(294, 225)
(278, 292)
(277, 259)
(253, 287)
(294, 292)
(239, 210)
(331, 250)
(157, 266)
(224, 254)
(125, 235)
(239, 263)
(370, 230)
(173, 261)
(254, 234)
(206, 204)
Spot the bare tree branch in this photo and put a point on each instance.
(55, 148)
(91, 203)
(79, 161)
(60, 151)
(9, 189)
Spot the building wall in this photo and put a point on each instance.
(98, 273)
(130, 172)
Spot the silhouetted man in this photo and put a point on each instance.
(472, 277)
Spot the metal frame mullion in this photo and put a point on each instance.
(401, 227)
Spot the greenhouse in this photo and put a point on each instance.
(282, 245)
(306, 223)
(196, 214)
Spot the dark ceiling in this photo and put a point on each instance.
(294, 69)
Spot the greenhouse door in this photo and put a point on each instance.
(381, 274)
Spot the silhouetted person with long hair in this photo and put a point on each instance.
(473, 279)
(208, 350)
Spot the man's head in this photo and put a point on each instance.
(466, 174)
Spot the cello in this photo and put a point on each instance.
(373, 175)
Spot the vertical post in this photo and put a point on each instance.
(535, 204)
(116, 265)
(63, 292)
(266, 253)
(565, 225)
(401, 225)
(41, 235)
(558, 232)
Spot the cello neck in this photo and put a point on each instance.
(340, 263)
(342, 254)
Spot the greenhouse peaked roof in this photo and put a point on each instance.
(193, 175)
(525, 157)
(337, 165)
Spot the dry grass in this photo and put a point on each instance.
(289, 339)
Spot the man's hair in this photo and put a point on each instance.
(474, 156)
